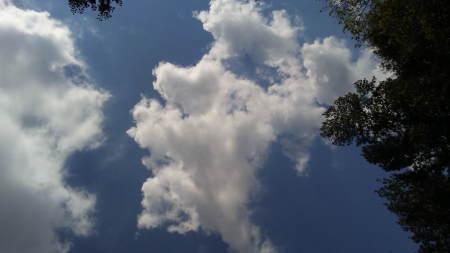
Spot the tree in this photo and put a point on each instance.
(397, 126)
(352, 14)
(103, 7)
(403, 122)
(402, 134)
(421, 200)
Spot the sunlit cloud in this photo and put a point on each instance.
(212, 134)
(48, 111)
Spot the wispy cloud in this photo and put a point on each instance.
(48, 110)
(213, 132)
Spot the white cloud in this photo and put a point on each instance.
(213, 133)
(47, 112)
(329, 66)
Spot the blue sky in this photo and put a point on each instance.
(182, 126)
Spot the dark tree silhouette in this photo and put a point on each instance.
(104, 7)
(402, 123)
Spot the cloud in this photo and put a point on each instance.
(48, 110)
(212, 134)
(329, 66)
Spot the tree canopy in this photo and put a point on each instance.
(104, 7)
(403, 122)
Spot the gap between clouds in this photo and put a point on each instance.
(48, 110)
(213, 133)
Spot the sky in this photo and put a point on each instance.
(182, 126)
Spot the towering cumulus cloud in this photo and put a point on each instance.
(213, 132)
(47, 112)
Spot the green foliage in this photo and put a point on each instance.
(410, 37)
(402, 123)
(103, 7)
(398, 126)
(352, 14)
(420, 199)
(400, 32)
(407, 132)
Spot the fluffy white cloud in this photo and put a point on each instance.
(48, 110)
(213, 132)
(329, 66)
